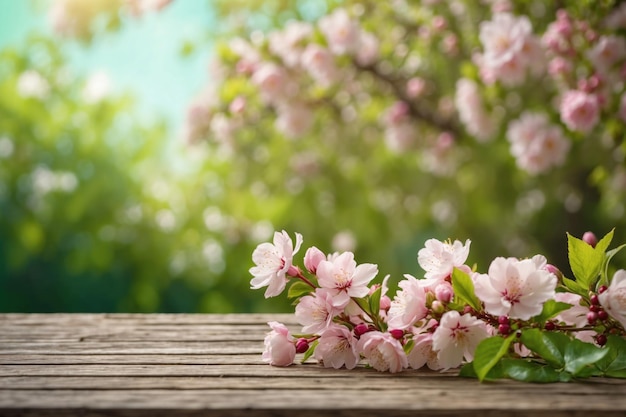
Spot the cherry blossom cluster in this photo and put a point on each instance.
(437, 320)
(306, 69)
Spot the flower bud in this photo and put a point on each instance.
(603, 315)
(293, 271)
(312, 259)
(397, 333)
(594, 299)
(302, 345)
(590, 239)
(554, 270)
(503, 320)
(444, 292)
(360, 329)
(385, 303)
(437, 307)
(601, 339)
(592, 317)
(504, 329)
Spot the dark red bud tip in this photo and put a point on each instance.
(302, 345)
(603, 315)
(594, 300)
(592, 316)
(602, 289)
(549, 326)
(360, 329)
(601, 339)
(595, 308)
(590, 239)
(503, 320)
(504, 329)
(397, 333)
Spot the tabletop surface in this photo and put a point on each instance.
(210, 365)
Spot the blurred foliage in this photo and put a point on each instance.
(93, 217)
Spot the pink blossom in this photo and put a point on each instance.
(368, 49)
(608, 51)
(409, 304)
(273, 82)
(617, 18)
(337, 347)
(344, 278)
(341, 32)
(286, 43)
(423, 353)
(272, 263)
(415, 87)
(580, 111)
(280, 349)
(510, 48)
(472, 112)
(315, 312)
(439, 259)
(536, 144)
(515, 288)
(575, 315)
(456, 338)
(383, 351)
(312, 257)
(399, 137)
(320, 63)
(613, 300)
(294, 119)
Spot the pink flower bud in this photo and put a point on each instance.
(312, 259)
(444, 292)
(554, 270)
(293, 271)
(590, 238)
(385, 303)
(302, 345)
(592, 317)
(360, 329)
(397, 333)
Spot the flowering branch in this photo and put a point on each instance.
(523, 319)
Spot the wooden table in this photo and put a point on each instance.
(210, 365)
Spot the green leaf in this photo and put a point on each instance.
(548, 345)
(375, 300)
(550, 309)
(408, 346)
(298, 289)
(579, 355)
(310, 351)
(526, 371)
(488, 354)
(464, 290)
(468, 371)
(574, 287)
(585, 261)
(604, 243)
(362, 302)
(607, 260)
(615, 359)
(619, 373)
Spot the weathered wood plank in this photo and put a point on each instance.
(440, 400)
(121, 359)
(192, 365)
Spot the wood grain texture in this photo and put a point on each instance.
(210, 365)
